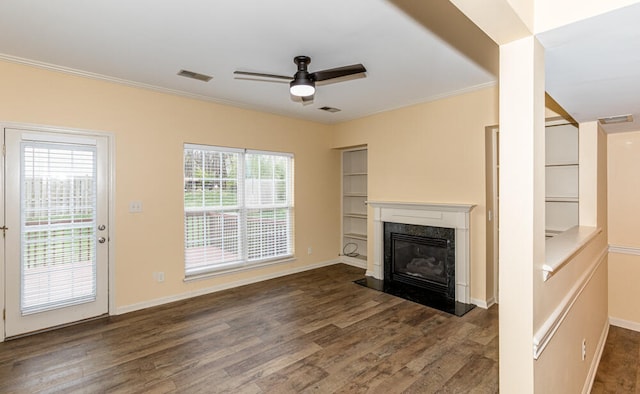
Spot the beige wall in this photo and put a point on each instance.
(624, 216)
(150, 129)
(432, 152)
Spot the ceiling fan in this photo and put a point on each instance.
(303, 83)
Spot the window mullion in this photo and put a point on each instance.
(242, 225)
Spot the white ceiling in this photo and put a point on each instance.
(149, 41)
(592, 66)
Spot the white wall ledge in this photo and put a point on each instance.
(564, 246)
(427, 206)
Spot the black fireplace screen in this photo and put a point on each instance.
(421, 256)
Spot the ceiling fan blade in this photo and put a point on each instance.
(262, 75)
(306, 99)
(338, 72)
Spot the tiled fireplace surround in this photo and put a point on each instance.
(454, 216)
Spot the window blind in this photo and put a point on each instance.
(238, 207)
(58, 198)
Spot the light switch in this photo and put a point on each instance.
(135, 206)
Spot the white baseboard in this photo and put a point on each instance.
(369, 273)
(629, 325)
(220, 287)
(591, 376)
(482, 303)
(355, 262)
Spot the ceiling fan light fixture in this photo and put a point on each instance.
(302, 87)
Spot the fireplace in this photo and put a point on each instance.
(420, 256)
(431, 261)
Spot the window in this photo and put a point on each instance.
(238, 208)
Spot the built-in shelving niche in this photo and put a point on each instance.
(354, 207)
(561, 177)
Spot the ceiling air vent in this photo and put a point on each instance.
(616, 119)
(194, 75)
(330, 109)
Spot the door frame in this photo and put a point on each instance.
(493, 214)
(110, 181)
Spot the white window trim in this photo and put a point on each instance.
(242, 207)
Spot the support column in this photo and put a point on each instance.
(522, 214)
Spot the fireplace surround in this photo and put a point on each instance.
(453, 217)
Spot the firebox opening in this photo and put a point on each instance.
(419, 258)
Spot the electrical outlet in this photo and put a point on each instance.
(584, 349)
(309, 250)
(158, 276)
(135, 206)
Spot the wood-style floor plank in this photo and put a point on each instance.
(619, 368)
(313, 332)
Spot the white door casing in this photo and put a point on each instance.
(23, 316)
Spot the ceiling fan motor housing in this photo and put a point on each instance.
(303, 84)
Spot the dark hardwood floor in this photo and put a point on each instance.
(311, 332)
(619, 369)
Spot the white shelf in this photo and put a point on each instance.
(561, 199)
(362, 237)
(561, 144)
(355, 215)
(562, 165)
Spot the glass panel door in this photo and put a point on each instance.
(57, 260)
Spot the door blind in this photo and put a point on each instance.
(58, 198)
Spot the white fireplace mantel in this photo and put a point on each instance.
(454, 216)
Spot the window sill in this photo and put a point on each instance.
(214, 272)
(564, 246)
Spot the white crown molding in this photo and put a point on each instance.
(120, 81)
(181, 93)
(435, 97)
